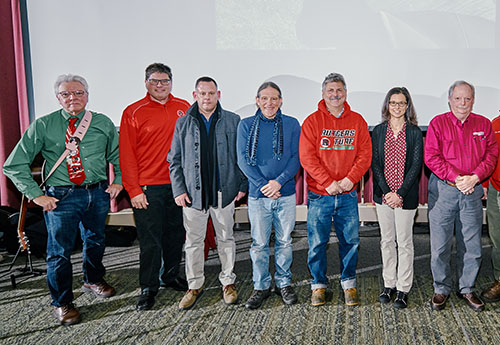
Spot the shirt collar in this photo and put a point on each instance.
(340, 114)
(156, 102)
(456, 121)
(66, 115)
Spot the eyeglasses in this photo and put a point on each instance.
(161, 81)
(266, 98)
(67, 94)
(396, 104)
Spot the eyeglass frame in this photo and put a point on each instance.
(163, 82)
(67, 94)
(398, 104)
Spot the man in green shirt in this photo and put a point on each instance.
(76, 196)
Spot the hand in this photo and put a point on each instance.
(345, 184)
(140, 201)
(393, 200)
(48, 203)
(334, 188)
(239, 196)
(466, 183)
(271, 188)
(276, 196)
(485, 193)
(182, 200)
(114, 190)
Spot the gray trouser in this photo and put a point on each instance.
(494, 228)
(453, 209)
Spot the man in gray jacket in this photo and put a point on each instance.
(206, 181)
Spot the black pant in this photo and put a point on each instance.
(161, 237)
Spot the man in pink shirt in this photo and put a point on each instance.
(461, 151)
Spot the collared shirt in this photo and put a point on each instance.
(48, 135)
(340, 114)
(206, 121)
(453, 148)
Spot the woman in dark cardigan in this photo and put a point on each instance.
(396, 163)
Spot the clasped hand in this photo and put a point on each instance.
(339, 187)
(466, 183)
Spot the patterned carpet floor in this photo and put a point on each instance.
(26, 317)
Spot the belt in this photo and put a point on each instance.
(83, 186)
(450, 183)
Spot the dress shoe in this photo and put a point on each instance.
(351, 297)
(287, 294)
(189, 299)
(67, 314)
(257, 298)
(438, 301)
(492, 294)
(178, 284)
(229, 294)
(472, 301)
(146, 301)
(101, 289)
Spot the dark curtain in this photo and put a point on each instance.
(14, 114)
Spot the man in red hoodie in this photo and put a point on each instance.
(335, 150)
(492, 294)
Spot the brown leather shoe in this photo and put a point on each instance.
(67, 314)
(492, 294)
(229, 294)
(101, 289)
(472, 301)
(438, 301)
(318, 297)
(351, 297)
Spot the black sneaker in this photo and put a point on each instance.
(258, 296)
(386, 295)
(401, 300)
(287, 294)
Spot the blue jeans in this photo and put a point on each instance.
(264, 213)
(344, 210)
(78, 210)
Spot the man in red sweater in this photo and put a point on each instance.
(335, 150)
(492, 294)
(146, 132)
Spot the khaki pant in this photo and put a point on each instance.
(396, 227)
(195, 222)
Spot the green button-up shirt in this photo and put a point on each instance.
(48, 136)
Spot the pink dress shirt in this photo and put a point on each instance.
(453, 148)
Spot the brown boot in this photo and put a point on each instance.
(67, 314)
(351, 297)
(492, 294)
(318, 297)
